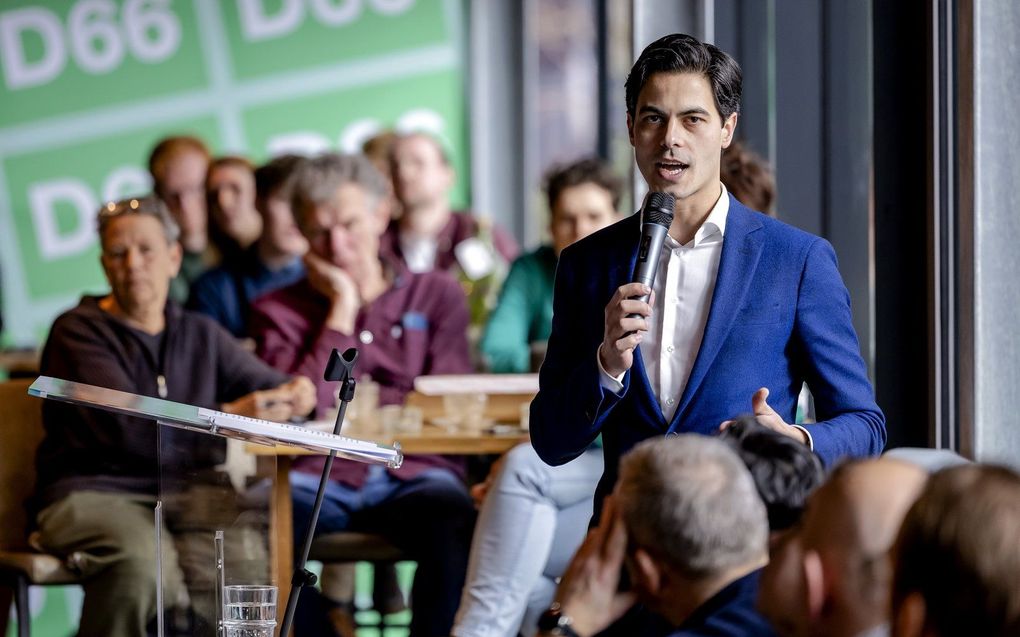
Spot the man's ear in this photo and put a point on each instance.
(729, 129)
(648, 575)
(630, 129)
(814, 584)
(908, 618)
(176, 257)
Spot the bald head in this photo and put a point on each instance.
(860, 509)
(831, 575)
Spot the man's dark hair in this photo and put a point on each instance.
(959, 547)
(586, 171)
(680, 53)
(276, 177)
(785, 471)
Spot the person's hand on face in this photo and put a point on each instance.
(338, 286)
(588, 590)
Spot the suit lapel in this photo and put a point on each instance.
(741, 250)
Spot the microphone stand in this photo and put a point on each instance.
(339, 368)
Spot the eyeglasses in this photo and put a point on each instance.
(147, 205)
(116, 208)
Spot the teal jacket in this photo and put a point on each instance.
(523, 314)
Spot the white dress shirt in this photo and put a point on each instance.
(419, 253)
(684, 283)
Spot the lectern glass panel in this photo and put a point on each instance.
(209, 488)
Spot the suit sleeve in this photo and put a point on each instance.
(850, 423)
(571, 406)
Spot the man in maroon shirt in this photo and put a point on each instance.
(404, 325)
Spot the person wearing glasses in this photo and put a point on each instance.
(98, 472)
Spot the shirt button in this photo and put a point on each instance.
(669, 348)
(670, 401)
(366, 337)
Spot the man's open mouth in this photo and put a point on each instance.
(670, 169)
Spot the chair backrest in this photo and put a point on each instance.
(21, 431)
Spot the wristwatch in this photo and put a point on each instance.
(554, 622)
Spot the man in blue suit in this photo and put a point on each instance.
(743, 311)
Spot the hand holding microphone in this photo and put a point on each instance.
(627, 311)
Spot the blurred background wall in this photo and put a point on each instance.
(88, 86)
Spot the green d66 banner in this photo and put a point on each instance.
(88, 86)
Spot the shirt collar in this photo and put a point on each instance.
(714, 224)
(716, 221)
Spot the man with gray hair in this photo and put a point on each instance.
(687, 521)
(98, 472)
(405, 325)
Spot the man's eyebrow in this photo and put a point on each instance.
(651, 109)
(690, 110)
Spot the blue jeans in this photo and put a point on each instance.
(531, 523)
(429, 517)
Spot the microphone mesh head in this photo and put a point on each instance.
(659, 208)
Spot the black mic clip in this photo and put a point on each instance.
(341, 368)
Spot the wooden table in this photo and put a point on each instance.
(431, 440)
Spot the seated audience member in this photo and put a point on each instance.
(687, 522)
(225, 293)
(98, 472)
(378, 149)
(235, 224)
(958, 557)
(532, 519)
(583, 197)
(831, 575)
(748, 177)
(784, 470)
(178, 166)
(429, 235)
(405, 325)
(533, 515)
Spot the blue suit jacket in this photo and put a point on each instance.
(779, 316)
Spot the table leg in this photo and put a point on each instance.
(281, 534)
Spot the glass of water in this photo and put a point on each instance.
(249, 611)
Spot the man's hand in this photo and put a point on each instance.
(587, 592)
(767, 416)
(623, 334)
(292, 399)
(302, 395)
(481, 490)
(338, 286)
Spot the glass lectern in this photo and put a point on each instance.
(213, 507)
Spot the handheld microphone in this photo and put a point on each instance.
(656, 217)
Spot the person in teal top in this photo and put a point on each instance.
(583, 197)
(532, 516)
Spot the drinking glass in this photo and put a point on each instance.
(249, 611)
